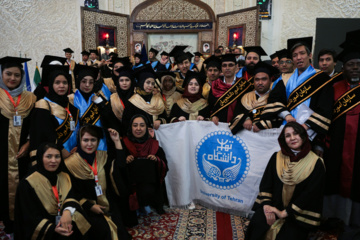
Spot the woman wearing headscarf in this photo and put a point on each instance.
(89, 169)
(191, 105)
(116, 63)
(289, 202)
(15, 107)
(168, 90)
(146, 163)
(84, 99)
(143, 102)
(45, 205)
(55, 119)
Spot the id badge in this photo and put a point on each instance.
(57, 220)
(17, 120)
(70, 72)
(98, 190)
(72, 125)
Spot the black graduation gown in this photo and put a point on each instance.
(32, 218)
(23, 165)
(307, 197)
(84, 190)
(177, 112)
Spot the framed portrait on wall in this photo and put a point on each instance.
(137, 47)
(236, 35)
(205, 47)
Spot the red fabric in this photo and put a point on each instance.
(218, 87)
(150, 147)
(224, 227)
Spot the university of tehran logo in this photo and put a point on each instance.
(222, 160)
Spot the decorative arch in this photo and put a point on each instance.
(152, 15)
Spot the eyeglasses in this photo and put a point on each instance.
(285, 62)
(228, 65)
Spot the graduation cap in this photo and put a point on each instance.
(113, 54)
(126, 71)
(200, 78)
(138, 55)
(49, 70)
(274, 55)
(190, 55)
(144, 72)
(213, 61)
(68, 50)
(283, 53)
(13, 61)
(81, 71)
(165, 53)
(351, 37)
(53, 60)
(256, 49)
(265, 68)
(154, 51)
(228, 58)
(177, 50)
(94, 51)
(306, 41)
(124, 60)
(198, 54)
(85, 53)
(161, 74)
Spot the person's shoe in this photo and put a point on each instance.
(191, 206)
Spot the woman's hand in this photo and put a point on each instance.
(65, 153)
(98, 209)
(94, 98)
(23, 150)
(115, 137)
(152, 157)
(65, 220)
(62, 231)
(215, 120)
(129, 159)
(255, 128)
(156, 124)
(248, 124)
(290, 118)
(200, 118)
(269, 214)
(182, 118)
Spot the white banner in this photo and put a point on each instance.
(208, 164)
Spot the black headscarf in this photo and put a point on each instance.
(130, 135)
(125, 94)
(93, 131)
(51, 176)
(52, 95)
(84, 72)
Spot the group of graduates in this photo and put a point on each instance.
(88, 132)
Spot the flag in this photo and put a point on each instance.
(28, 85)
(144, 57)
(37, 78)
(211, 166)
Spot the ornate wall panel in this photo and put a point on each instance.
(172, 10)
(207, 36)
(121, 22)
(247, 17)
(138, 37)
(39, 27)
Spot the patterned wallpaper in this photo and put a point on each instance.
(39, 27)
(248, 18)
(172, 10)
(121, 23)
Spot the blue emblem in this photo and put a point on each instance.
(222, 160)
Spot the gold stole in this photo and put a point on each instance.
(110, 84)
(72, 67)
(80, 169)
(291, 174)
(155, 108)
(250, 102)
(116, 105)
(170, 100)
(43, 190)
(192, 108)
(7, 110)
(206, 90)
(179, 82)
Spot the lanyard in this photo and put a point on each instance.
(122, 103)
(56, 193)
(94, 170)
(12, 100)
(71, 118)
